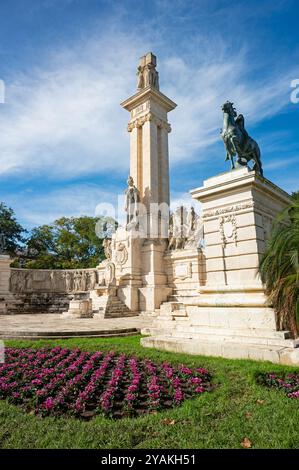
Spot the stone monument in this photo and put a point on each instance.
(231, 315)
(137, 249)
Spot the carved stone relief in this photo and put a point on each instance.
(228, 209)
(228, 229)
(121, 254)
(183, 271)
(32, 280)
(109, 274)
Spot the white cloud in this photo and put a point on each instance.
(65, 121)
(81, 199)
(184, 199)
(202, 89)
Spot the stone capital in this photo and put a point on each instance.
(138, 122)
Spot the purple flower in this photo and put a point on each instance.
(49, 404)
(59, 381)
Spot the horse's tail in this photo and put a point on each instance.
(258, 159)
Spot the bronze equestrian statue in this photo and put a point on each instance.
(237, 141)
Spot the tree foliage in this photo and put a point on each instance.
(66, 244)
(280, 267)
(13, 232)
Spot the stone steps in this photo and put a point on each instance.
(36, 303)
(258, 340)
(182, 298)
(179, 327)
(259, 333)
(34, 335)
(108, 305)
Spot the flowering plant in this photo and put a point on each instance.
(61, 381)
(289, 383)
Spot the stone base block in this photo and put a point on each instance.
(275, 354)
(151, 297)
(79, 309)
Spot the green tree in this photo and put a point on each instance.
(279, 268)
(66, 244)
(295, 195)
(11, 229)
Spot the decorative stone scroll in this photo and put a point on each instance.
(228, 229)
(109, 275)
(121, 254)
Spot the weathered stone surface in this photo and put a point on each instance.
(57, 326)
(230, 315)
(276, 354)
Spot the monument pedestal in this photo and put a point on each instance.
(231, 316)
(155, 289)
(79, 308)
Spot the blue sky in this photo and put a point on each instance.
(67, 64)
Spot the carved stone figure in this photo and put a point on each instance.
(28, 281)
(77, 281)
(171, 238)
(107, 248)
(185, 229)
(237, 141)
(140, 80)
(109, 274)
(191, 221)
(68, 281)
(195, 237)
(147, 75)
(151, 77)
(132, 198)
(92, 279)
(178, 229)
(15, 281)
(83, 281)
(21, 281)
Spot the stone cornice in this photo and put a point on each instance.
(145, 94)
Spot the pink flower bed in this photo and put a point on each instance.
(289, 383)
(61, 381)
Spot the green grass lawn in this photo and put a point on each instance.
(237, 408)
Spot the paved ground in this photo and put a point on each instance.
(52, 325)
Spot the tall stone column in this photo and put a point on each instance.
(149, 167)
